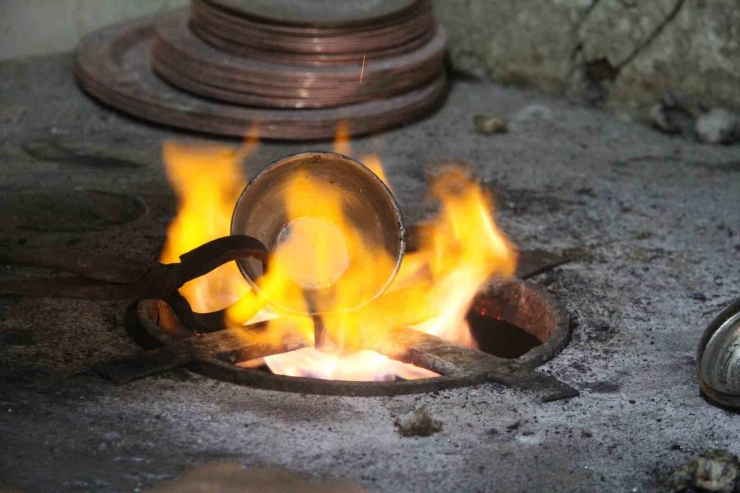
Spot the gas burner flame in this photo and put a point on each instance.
(460, 249)
(360, 366)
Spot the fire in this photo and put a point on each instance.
(360, 366)
(342, 144)
(207, 181)
(373, 163)
(463, 249)
(460, 250)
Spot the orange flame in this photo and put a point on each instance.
(463, 249)
(207, 181)
(373, 163)
(459, 251)
(360, 366)
(341, 141)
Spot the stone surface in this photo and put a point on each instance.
(525, 43)
(651, 220)
(625, 54)
(697, 53)
(63, 210)
(615, 30)
(718, 127)
(41, 27)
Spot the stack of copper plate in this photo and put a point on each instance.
(322, 31)
(284, 69)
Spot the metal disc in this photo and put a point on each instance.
(258, 35)
(300, 84)
(331, 13)
(172, 30)
(211, 12)
(246, 95)
(113, 66)
(187, 62)
(331, 46)
(308, 59)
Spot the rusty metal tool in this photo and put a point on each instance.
(110, 278)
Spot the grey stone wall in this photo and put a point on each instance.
(624, 54)
(40, 27)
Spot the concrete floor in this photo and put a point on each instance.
(653, 222)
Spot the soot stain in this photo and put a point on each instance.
(20, 337)
(67, 211)
(76, 154)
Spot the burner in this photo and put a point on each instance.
(513, 305)
(114, 66)
(207, 344)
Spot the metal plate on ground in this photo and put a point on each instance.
(113, 66)
(215, 354)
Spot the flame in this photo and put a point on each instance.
(373, 163)
(460, 250)
(207, 181)
(342, 144)
(463, 249)
(363, 365)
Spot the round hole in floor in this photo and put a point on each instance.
(497, 337)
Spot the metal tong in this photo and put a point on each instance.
(112, 278)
